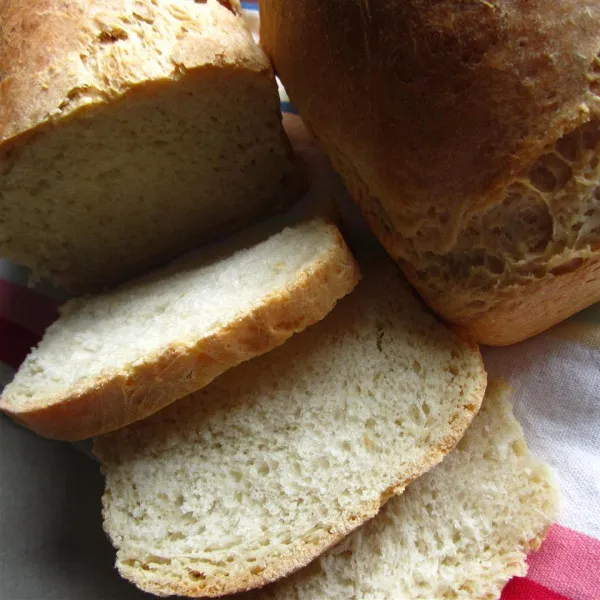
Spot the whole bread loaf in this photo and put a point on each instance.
(469, 134)
(460, 532)
(130, 131)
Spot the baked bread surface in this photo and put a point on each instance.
(131, 131)
(277, 460)
(114, 358)
(469, 134)
(461, 531)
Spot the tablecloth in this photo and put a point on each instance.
(556, 382)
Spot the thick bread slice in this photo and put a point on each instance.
(277, 460)
(131, 131)
(461, 531)
(118, 357)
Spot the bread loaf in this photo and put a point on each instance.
(461, 531)
(120, 356)
(275, 461)
(130, 131)
(469, 134)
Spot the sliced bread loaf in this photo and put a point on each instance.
(131, 131)
(277, 460)
(461, 531)
(120, 356)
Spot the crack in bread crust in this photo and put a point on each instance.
(469, 138)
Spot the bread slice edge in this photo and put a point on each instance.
(285, 565)
(119, 398)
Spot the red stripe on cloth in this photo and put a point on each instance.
(568, 563)
(26, 307)
(15, 342)
(519, 588)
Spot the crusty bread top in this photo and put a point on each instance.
(120, 356)
(59, 55)
(261, 471)
(445, 102)
(469, 134)
(460, 532)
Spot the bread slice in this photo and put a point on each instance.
(277, 460)
(131, 131)
(461, 531)
(118, 357)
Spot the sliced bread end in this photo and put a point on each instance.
(69, 386)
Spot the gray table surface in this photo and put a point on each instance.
(52, 546)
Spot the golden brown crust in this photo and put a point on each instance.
(71, 72)
(509, 78)
(58, 56)
(522, 311)
(307, 550)
(120, 398)
(507, 314)
(435, 109)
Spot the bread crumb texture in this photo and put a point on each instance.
(460, 532)
(280, 458)
(117, 357)
(546, 223)
(129, 132)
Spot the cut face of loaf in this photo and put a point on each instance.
(277, 460)
(120, 356)
(461, 531)
(130, 132)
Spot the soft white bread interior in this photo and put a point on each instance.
(117, 357)
(129, 132)
(461, 531)
(280, 458)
